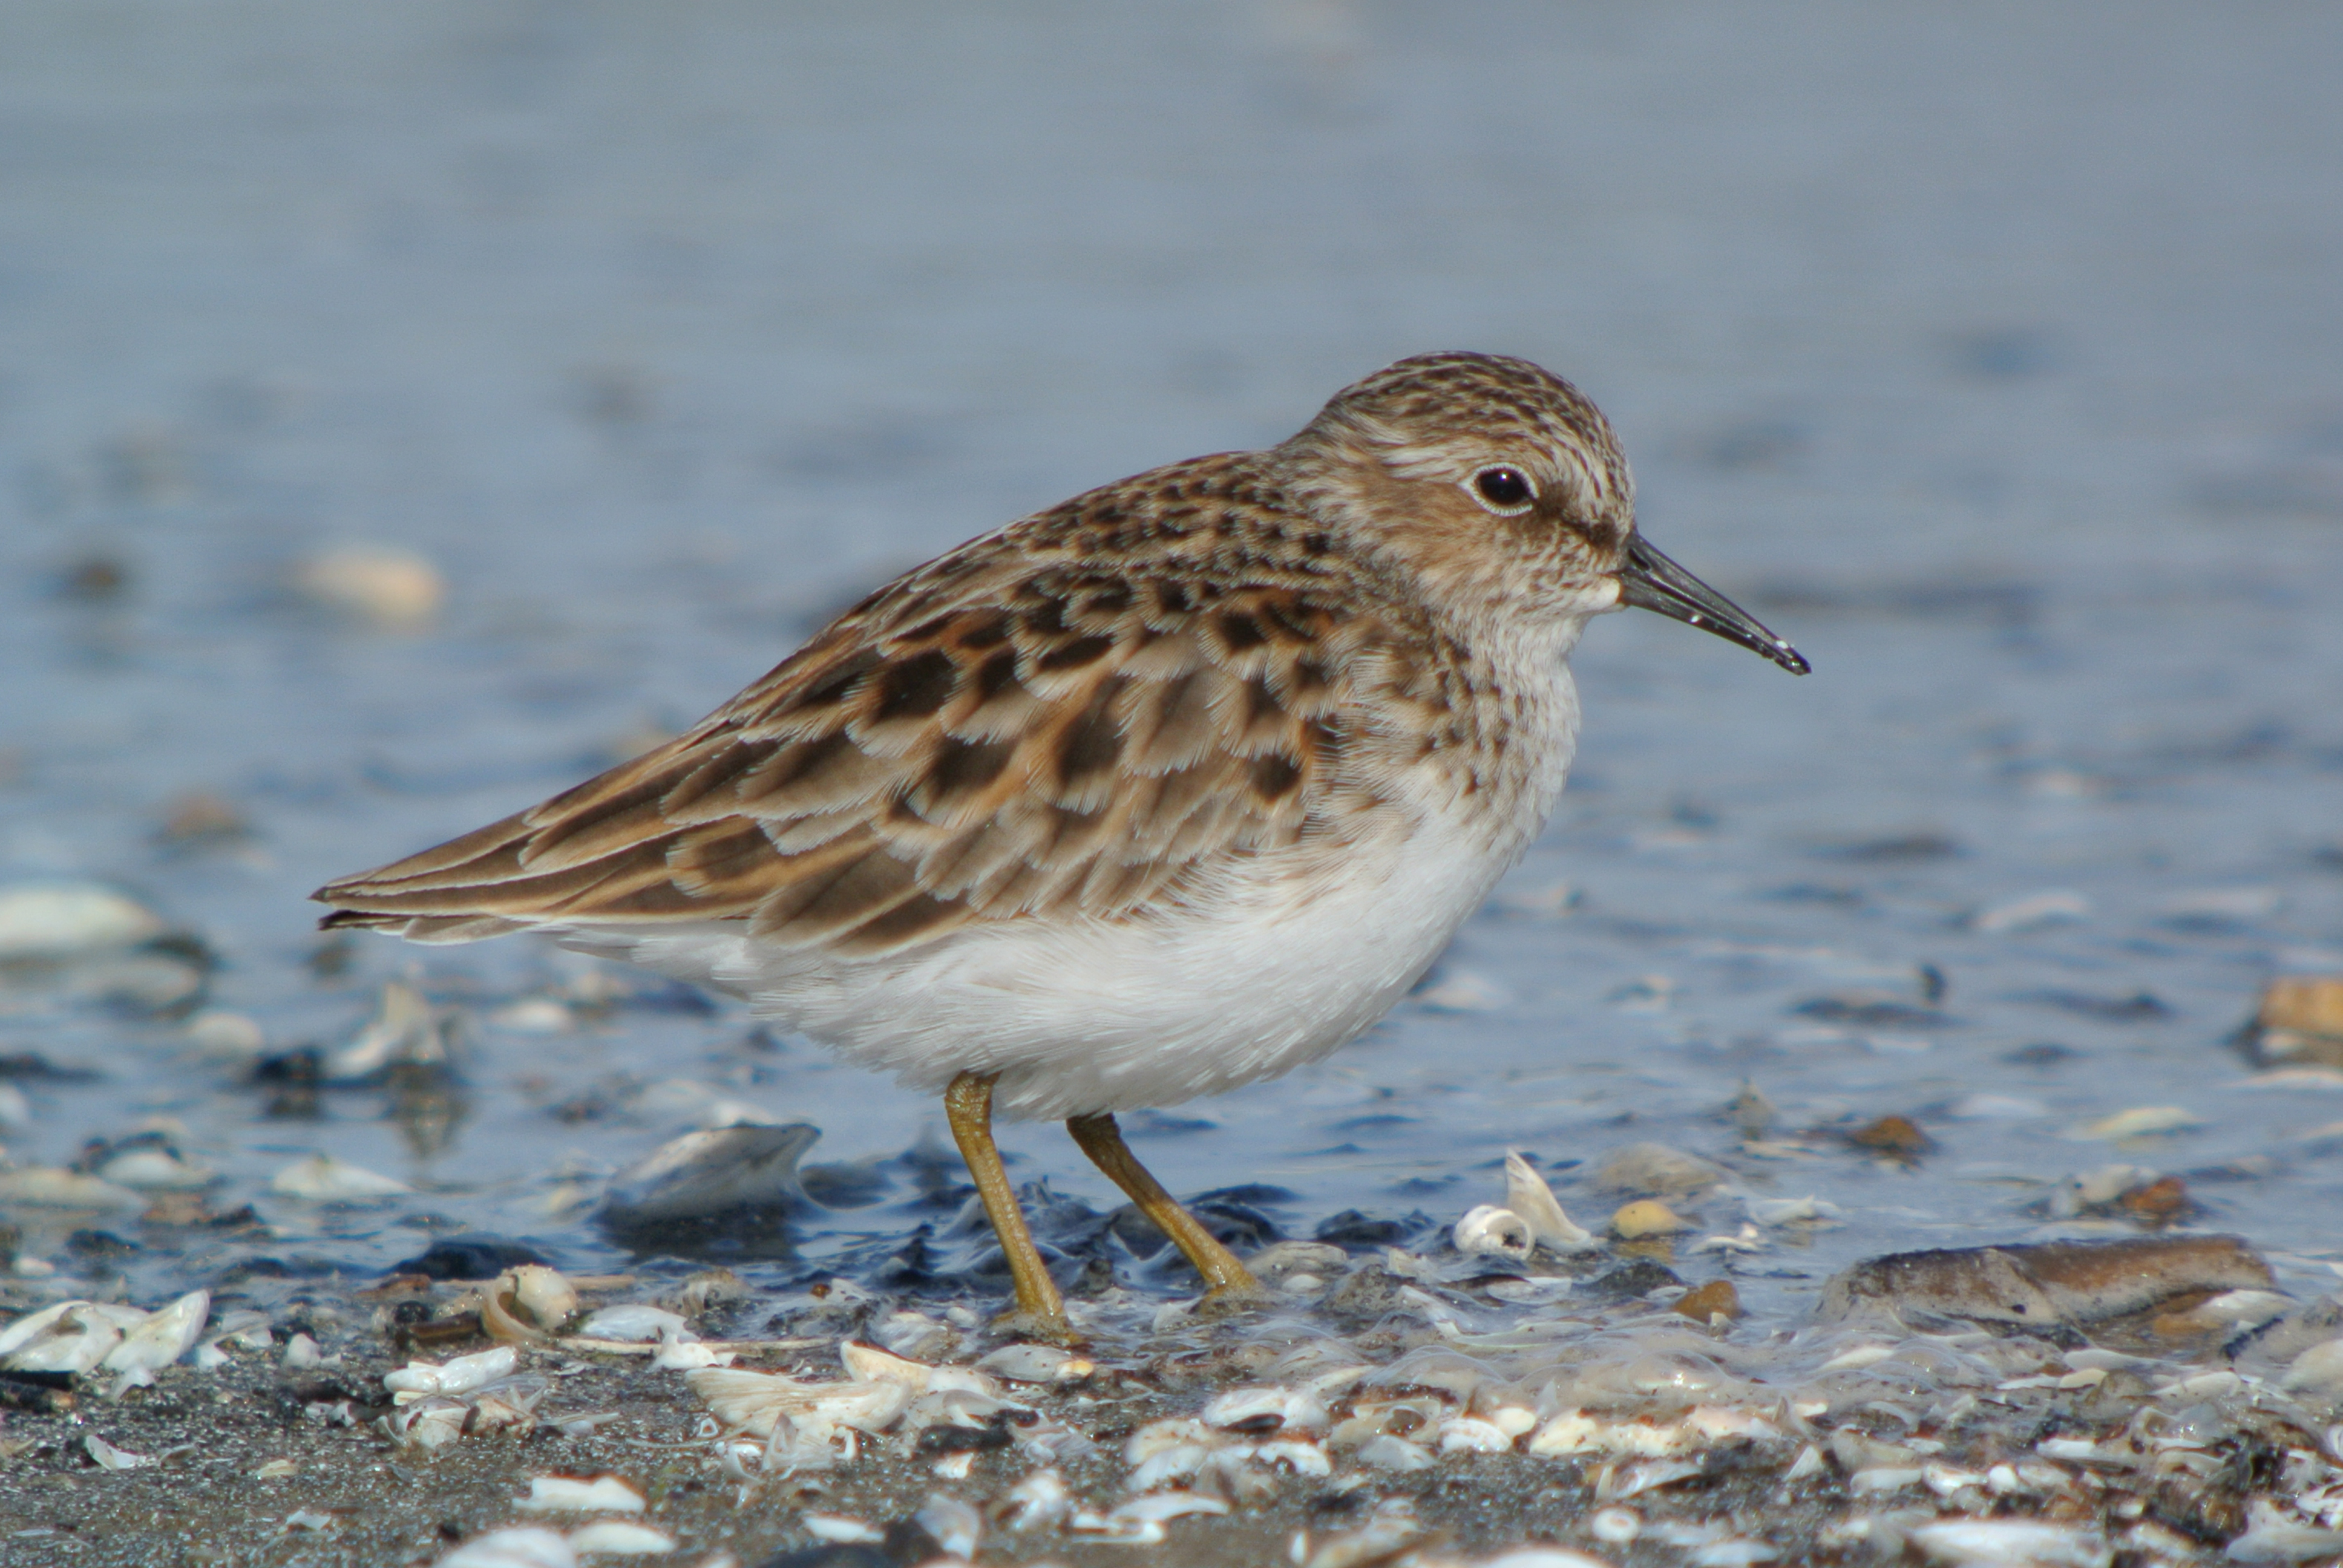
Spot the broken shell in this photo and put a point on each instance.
(2014, 1542)
(834, 1528)
(418, 1379)
(1527, 1194)
(1037, 1364)
(620, 1538)
(1645, 1217)
(1470, 1434)
(1615, 1526)
(108, 1457)
(396, 589)
(405, 1031)
(636, 1323)
(2140, 1121)
(1266, 1409)
(523, 1546)
(745, 1171)
(154, 1170)
(45, 1187)
(954, 1526)
(70, 1337)
(758, 1402)
(1488, 1231)
(1040, 1501)
(543, 1295)
(322, 1179)
(164, 1336)
(575, 1494)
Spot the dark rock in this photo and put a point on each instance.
(1630, 1281)
(473, 1257)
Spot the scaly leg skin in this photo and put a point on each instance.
(1041, 1312)
(1228, 1283)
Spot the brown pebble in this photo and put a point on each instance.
(2159, 1204)
(1898, 1137)
(1716, 1299)
(201, 818)
(1645, 1217)
(2299, 1022)
(2073, 1282)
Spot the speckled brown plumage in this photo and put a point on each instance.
(1070, 715)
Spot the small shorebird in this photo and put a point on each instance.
(1174, 786)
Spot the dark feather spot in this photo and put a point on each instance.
(1240, 631)
(838, 682)
(980, 631)
(1082, 650)
(1091, 744)
(1046, 619)
(1274, 776)
(964, 767)
(1173, 597)
(996, 675)
(916, 687)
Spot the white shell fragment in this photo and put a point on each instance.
(162, 1339)
(46, 1187)
(392, 588)
(70, 1337)
(620, 1538)
(108, 1457)
(322, 1179)
(575, 1494)
(1527, 1194)
(1040, 1501)
(1037, 1364)
(1267, 1410)
(1140, 1521)
(405, 1031)
(418, 1379)
(956, 1526)
(836, 1528)
(528, 1546)
(1489, 1230)
(634, 1323)
(2010, 1544)
(57, 919)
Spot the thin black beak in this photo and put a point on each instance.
(1649, 580)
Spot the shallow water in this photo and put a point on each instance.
(1991, 364)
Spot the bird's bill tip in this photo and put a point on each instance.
(1650, 580)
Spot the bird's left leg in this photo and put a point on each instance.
(1102, 1140)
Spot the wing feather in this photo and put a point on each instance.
(1013, 730)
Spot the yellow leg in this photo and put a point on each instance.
(968, 1105)
(1102, 1140)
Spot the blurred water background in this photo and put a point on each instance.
(1990, 354)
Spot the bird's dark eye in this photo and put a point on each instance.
(1503, 490)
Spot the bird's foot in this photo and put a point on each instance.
(1039, 1328)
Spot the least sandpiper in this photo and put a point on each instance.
(1174, 786)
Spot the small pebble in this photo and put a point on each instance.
(1645, 1217)
(1898, 1137)
(1716, 1299)
(390, 588)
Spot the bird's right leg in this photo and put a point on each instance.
(1041, 1310)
